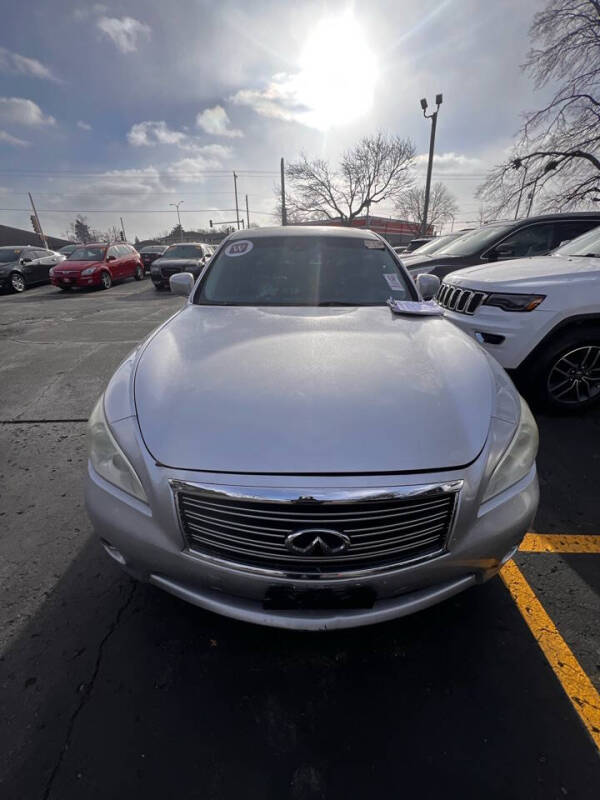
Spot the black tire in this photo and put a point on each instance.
(17, 282)
(105, 280)
(564, 377)
(139, 273)
(65, 288)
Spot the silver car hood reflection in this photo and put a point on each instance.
(312, 390)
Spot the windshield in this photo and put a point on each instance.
(435, 244)
(586, 245)
(9, 254)
(183, 251)
(87, 254)
(152, 249)
(473, 242)
(303, 271)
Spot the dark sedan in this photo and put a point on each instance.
(186, 257)
(21, 267)
(500, 241)
(150, 253)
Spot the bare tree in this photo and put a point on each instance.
(557, 156)
(374, 170)
(442, 205)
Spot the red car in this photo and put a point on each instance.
(98, 265)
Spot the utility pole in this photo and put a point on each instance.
(176, 205)
(247, 212)
(39, 224)
(123, 229)
(237, 209)
(283, 208)
(433, 118)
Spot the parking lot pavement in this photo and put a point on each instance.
(113, 689)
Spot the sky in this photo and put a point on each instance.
(122, 109)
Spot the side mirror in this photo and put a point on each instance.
(427, 285)
(26, 260)
(182, 283)
(502, 251)
(111, 258)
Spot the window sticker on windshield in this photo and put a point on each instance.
(240, 248)
(393, 281)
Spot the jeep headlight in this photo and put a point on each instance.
(518, 457)
(108, 459)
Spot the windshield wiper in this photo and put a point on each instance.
(346, 303)
(585, 255)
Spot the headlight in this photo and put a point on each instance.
(108, 459)
(518, 457)
(88, 271)
(514, 302)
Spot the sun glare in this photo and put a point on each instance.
(337, 73)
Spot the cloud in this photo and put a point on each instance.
(451, 163)
(21, 65)
(85, 126)
(20, 111)
(148, 134)
(216, 122)
(279, 100)
(151, 133)
(6, 138)
(187, 170)
(124, 32)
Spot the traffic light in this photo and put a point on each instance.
(210, 223)
(34, 223)
(122, 236)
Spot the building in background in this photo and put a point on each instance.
(396, 231)
(17, 236)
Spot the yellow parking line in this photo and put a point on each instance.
(578, 687)
(558, 543)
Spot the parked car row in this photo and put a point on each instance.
(98, 264)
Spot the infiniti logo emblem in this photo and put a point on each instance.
(317, 542)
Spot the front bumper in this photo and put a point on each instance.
(508, 336)
(147, 541)
(76, 280)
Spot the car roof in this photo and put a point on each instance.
(546, 218)
(304, 230)
(173, 244)
(20, 246)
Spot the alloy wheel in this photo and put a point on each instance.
(575, 377)
(17, 281)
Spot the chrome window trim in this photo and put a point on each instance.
(328, 495)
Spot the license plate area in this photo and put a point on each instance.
(283, 598)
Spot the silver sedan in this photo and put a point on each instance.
(307, 444)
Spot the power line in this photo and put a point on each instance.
(132, 210)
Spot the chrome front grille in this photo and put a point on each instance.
(382, 528)
(463, 301)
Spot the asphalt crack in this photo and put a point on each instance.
(88, 688)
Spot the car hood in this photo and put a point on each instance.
(526, 272)
(177, 262)
(312, 391)
(76, 266)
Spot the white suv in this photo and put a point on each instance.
(539, 316)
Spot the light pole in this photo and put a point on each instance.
(433, 117)
(176, 205)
